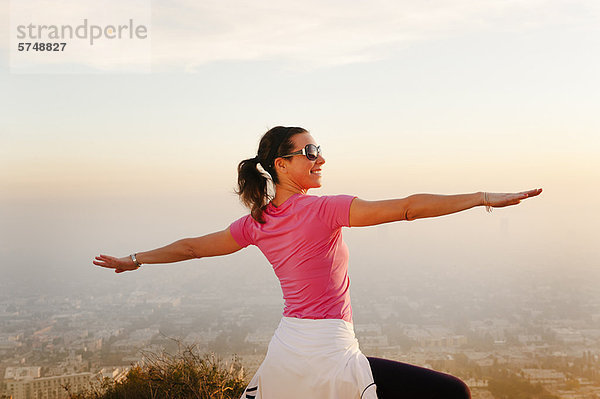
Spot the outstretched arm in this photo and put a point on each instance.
(418, 206)
(215, 244)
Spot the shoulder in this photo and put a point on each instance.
(337, 200)
(244, 220)
(322, 202)
(242, 230)
(327, 199)
(335, 209)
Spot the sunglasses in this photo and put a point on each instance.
(311, 152)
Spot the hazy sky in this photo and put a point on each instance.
(404, 97)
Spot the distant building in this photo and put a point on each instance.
(529, 339)
(373, 341)
(435, 338)
(568, 336)
(22, 373)
(476, 383)
(367, 329)
(543, 376)
(113, 373)
(27, 384)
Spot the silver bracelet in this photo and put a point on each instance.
(132, 256)
(486, 202)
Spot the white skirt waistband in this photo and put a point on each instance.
(315, 336)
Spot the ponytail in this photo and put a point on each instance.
(253, 187)
(253, 184)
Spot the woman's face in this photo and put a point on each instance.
(302, 172)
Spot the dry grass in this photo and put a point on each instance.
(184, 375)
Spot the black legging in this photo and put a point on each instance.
(400, 380)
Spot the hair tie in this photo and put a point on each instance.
(275, 148)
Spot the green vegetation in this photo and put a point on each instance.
(185, 375)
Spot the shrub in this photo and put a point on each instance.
(183, 375)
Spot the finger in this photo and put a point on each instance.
(532, 193)
(100, 264)
(517, 197)
(104, 264)
(520, 196)
(535, 192)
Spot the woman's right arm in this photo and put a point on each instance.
(215, 244)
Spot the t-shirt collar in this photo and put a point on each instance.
(286, 204)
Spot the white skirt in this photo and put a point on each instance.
(313, 359)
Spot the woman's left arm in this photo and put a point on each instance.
(418, 206)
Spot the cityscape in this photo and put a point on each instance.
(530, 334)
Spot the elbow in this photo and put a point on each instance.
(409, 210)
(188, 249)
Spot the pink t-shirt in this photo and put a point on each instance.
(302, 239)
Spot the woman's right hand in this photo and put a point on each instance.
(119, 264)
(499, 200)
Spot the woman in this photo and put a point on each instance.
(314, 352)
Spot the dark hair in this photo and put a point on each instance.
(253, 187)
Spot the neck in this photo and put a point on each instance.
(284, 191)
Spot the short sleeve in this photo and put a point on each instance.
(335, 210)
(240, 231)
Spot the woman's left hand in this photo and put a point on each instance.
(499, 200)
(119, 264)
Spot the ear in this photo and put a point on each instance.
(281, 165)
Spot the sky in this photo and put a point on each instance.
(120, 153)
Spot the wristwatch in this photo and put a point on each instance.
(132, 256)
